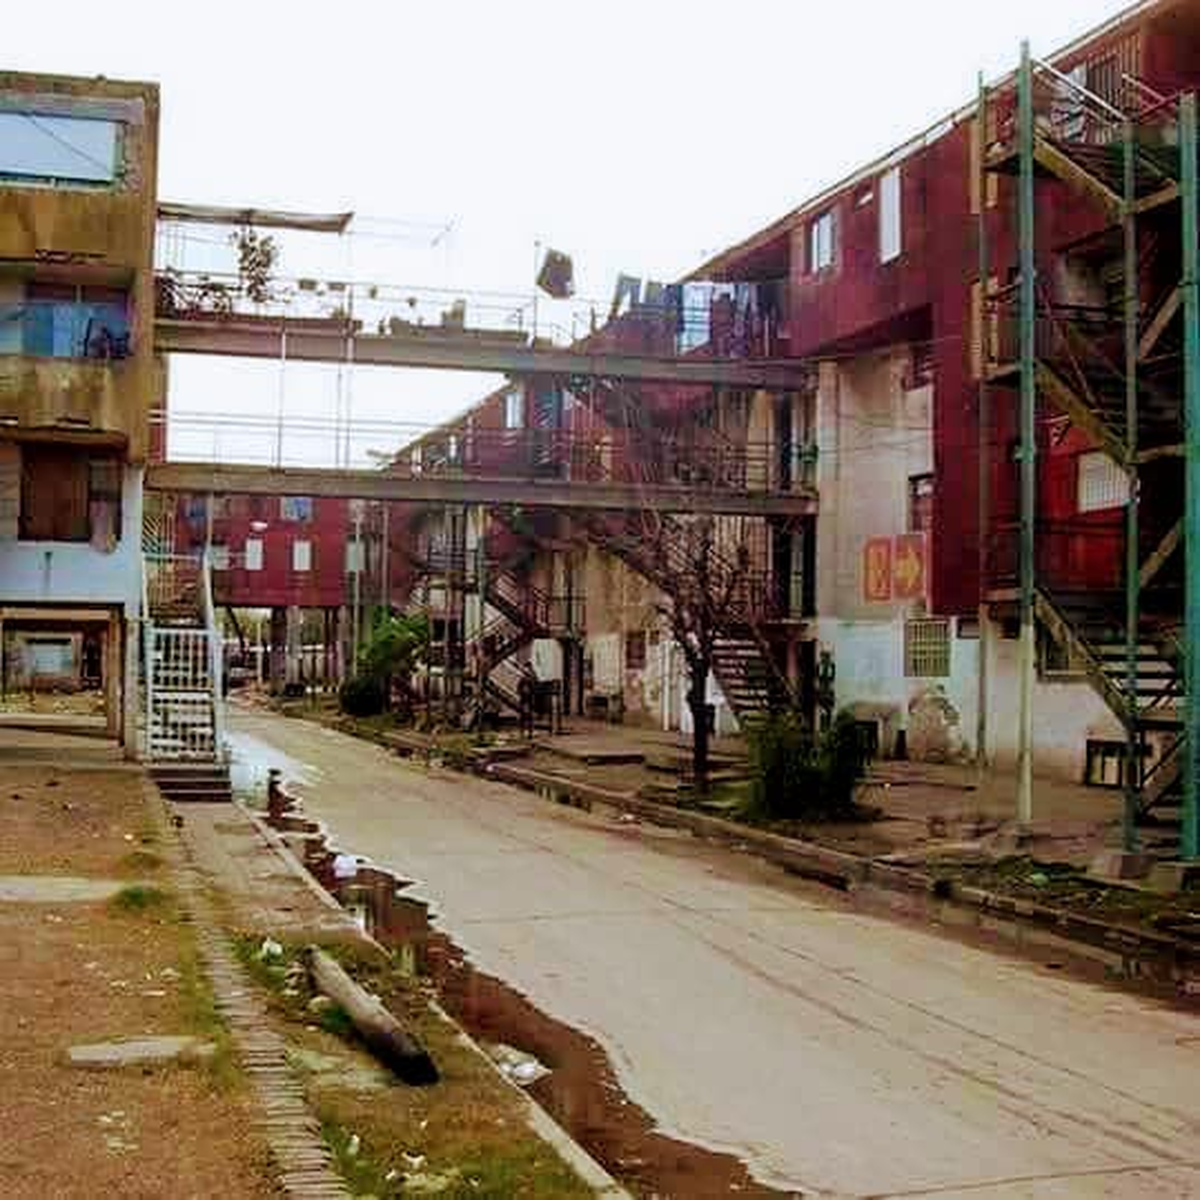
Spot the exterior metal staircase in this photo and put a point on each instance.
(1090, 627)
(184, 723)
(743, 662)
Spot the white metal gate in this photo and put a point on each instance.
(180, 697)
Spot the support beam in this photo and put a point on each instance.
(1162, 554)
(334, 342)
(432, 489)
(1159, 323)
(1065, 398)
(1188, 133)
(1061, 165)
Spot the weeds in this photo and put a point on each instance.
(140, 898)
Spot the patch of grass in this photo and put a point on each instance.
(353, 1161)
(336, 1020)
(140, 862)
(140, 898)
(198, 1008)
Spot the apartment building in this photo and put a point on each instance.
(78, 374)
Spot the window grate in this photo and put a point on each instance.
(927, 648)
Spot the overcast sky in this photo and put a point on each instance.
(637, 136)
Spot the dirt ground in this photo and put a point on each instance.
(81, 973)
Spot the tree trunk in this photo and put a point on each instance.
(378, 1028)
(697, 702)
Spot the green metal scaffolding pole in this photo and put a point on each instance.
(1028, 430)
(1133, 755)
(1190, 181)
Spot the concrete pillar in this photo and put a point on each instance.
(112, 664)
(127, 648)
(293, 631)
(277, 653)
(345, 656)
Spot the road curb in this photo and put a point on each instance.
(1142, 953)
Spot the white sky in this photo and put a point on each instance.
(637, 136)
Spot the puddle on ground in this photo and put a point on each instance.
(578, 1087)
(251, 760)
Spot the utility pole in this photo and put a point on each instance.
(1028, 425)
(1190, 180)
(385, 587)
(356, 612)
(984, 444)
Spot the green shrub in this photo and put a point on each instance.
(798, 776)
(361, 697)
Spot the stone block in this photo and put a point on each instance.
(1174, 876)
(138, 1052)
(1121, 864)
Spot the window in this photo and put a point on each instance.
(301, 555)
(635, 650)
(514, 409)
(104, 502)
(927, 648)
(218, 557)
(47, 148)
(416, 458)
(920, 504)
(69, 496)
(354, 557)
(254, 554)
(1101, 483)
(890, 222)
(820, 242)
(60, 320)
(296, 508)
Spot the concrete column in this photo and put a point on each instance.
(293, 629)
(277, 654)
(127, 647)
(111, 672)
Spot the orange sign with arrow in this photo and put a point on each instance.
(908, 570)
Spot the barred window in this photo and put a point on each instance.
(927, 648)
(1102, 484)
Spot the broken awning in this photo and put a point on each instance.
(263, 218)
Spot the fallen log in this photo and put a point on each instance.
(382, 1034)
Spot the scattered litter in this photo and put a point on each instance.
(169, 973)
(320, 1004)
(154, 993)
(129, 837)
(54, 918)
(391, 1176)
(353, 1145)
(1039, 879)
(269, 949)
(523, 1069)
(414, 1162)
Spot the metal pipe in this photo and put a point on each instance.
(1028, 267)
(1133, 758)
(1190, 182)
(984, 448)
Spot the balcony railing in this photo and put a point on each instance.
(619, 456)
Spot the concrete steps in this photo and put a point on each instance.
(196, 783)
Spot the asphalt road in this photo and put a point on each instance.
(834, 1051)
